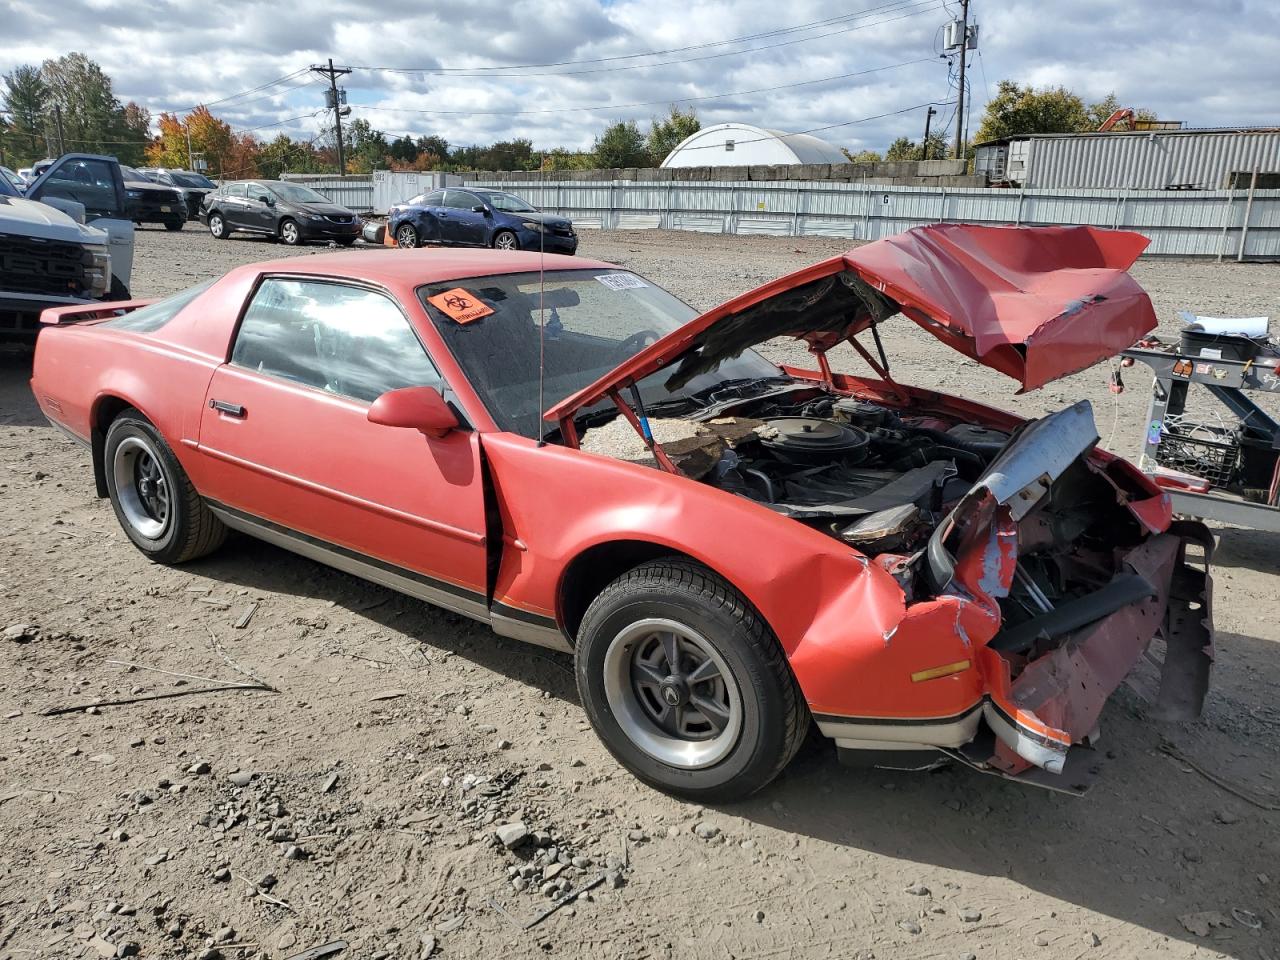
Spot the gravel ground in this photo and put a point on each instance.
(361, 800)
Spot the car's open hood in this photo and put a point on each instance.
(1035, 303)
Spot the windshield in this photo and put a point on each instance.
(296, 194)
(191, 180)
(134, 176)
(507, 202)
(8, 185)
(595, 320)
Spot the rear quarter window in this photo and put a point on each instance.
(152, 317)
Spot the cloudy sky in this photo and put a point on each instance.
(556, 71)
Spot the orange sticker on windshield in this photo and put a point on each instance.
(460, 305)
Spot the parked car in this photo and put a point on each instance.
(287, 211)
(193, 186)
(13, 178)
(479, 218)
(64, 240)
(913, 571)
(151, 202)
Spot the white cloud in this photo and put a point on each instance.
(1203, 61)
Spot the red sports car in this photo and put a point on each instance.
(730, 549)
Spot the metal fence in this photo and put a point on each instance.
(1231, 224)
(1205, 223)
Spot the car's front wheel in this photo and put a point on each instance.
(686, 685)
(174, 224)
(218, 227)
(505, 240)
(153, 498)
(406, 236)
(289, 233)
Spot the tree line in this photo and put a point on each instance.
(67, 105)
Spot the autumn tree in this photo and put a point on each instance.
(1098, 113)
(90, 111)
(666, 134)
(862, 156)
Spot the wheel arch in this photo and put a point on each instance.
(593, 569)
(105, 409)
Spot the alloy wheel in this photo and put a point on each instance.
(672, 693)
(141, 487)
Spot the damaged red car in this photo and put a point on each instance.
(732, 550)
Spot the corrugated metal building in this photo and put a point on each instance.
(1140, 160)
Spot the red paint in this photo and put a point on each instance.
(315, 463)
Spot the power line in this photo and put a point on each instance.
(925, 7)
(209, 103)
(644, 103)
(813, 24)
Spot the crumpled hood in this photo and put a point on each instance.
(550, 219)
(1035, 303)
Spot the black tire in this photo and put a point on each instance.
(289, 232)
(773, 716)
(506, 240)
(118, 292)
(185, 529)
(174, 224)
(407, 236)
(218, 225)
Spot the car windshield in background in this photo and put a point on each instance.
(134, 176)
(508, 203)
(192, 180)
(594, 320)
(296, 194)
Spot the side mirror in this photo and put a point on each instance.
(267, 200)
(421, 408)
(479, 208)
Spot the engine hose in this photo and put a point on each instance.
(979, 448)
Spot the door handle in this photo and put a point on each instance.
(230, 409)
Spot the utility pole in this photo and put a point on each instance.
(191, 163)
(924, 147)
(57, 116)
(335, 101)
(964, 50)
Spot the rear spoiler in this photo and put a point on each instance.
(85, 312)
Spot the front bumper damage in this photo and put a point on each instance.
(1042, 683)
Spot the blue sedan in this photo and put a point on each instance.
(479, 218)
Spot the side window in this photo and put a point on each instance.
(236, 190)
(89, 182)
(154, 316)
(256, 191)
(460, 199)
(344, 340)
(434, 199)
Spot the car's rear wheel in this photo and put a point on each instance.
(289, 232)
(505, 240)
(406, 236)
(174, 224)
(153, 498)
(686, 685)
(218, 226)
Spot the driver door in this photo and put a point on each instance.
(258, 213)
(292, 457)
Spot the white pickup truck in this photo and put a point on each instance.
(66, 239)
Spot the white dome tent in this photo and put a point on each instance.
(742, 144)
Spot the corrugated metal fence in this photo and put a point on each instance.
(1179, 223)
(1148, 160)
(1190, 223)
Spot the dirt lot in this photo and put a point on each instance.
(359, 801)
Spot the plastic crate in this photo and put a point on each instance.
(1210, 451)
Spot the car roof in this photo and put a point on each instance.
(414, 268)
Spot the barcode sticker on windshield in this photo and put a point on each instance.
(460, 305)
(621, 281)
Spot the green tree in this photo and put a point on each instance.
(562, 158)
(26, 99)
(366, 147)
(621, 145)
(667, 133)
(862, 156)
(902, 149)
(1016, 111)
(89, 109)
